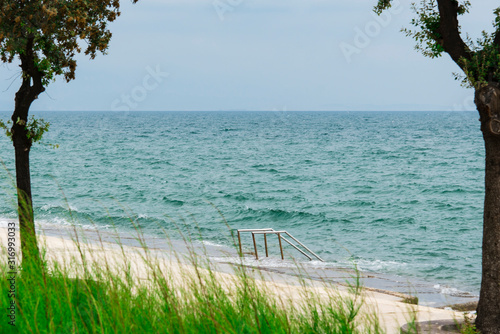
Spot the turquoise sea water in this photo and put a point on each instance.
(395, 192)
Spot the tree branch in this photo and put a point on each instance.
(496, 41)
(449, 30)
(32, 84)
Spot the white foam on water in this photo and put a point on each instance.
(58, 223)
(445, 290)
(211, 244)
(272, 262)
(47, 207)
(263, 263)
(4, 222)
(320, 264)
(379, 265)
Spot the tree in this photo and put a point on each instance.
(437, 31)
(44, 36)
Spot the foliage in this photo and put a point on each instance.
(427, 22)
(479, 60)
(468, 327)
(56, 30)
(382, 5)
(410, 300)
(484, 65)
(35, 128)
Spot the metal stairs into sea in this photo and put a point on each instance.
(265, 231)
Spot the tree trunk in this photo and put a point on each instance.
(31, 87)
(488, 312)
(22, 145)
(29, 247)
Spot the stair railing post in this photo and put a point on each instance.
(255, 247)
(265, 243)
(281, 247)
(239, 241)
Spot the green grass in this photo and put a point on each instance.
(86, 296)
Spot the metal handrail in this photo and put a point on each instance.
(265, 232)
(252, 230)
(297, 248)
(300, 243)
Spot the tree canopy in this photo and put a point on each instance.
(437, 30)
(46, 35)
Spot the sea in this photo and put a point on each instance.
(397, 195)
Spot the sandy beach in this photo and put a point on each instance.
(389, 308)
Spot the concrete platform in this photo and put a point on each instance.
(434, 327)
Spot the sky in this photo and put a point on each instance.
(281, 55)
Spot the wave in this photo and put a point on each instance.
(57, 223)
(268, 262)
(357, 203)
(59, 207)
(239, 198)
(378, 265)
(211, 244)
(173, 202)
(270, 214)
(454, 191)
(452, 291)
(4, 221)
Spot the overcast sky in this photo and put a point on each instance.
(259, 55)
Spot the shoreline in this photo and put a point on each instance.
(225, 258)
(389, 308)
(429, 293)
